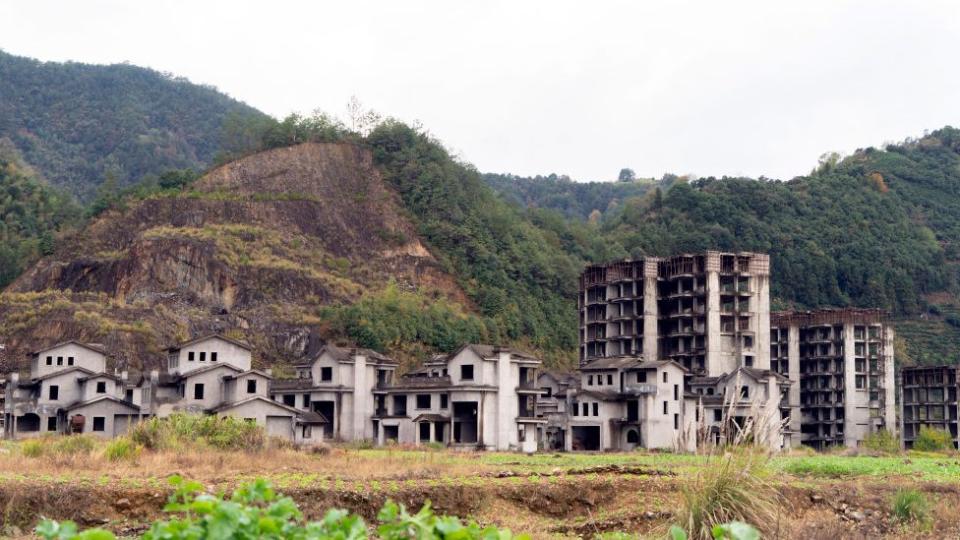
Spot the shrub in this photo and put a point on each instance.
(731, 489)
(120, 449)
(256, 511)
(184, 430)
(882, 441)
(31, 448)
(910, 506)
(73, 444)
(933, 440)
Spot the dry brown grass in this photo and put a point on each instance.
(208, 464)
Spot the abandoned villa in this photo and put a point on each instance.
(675, 353)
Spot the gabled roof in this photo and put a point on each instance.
(62, 371)
(421, 382)
(611, 362)
(249, 372)
(291, 384)
(311, 417)
(227, 406)
(103, 376)
(754, 373)
(89, 346)
(602, 396)
(97, 399)
(490, 351)
(238, 343)
(174, 378)
(346, 355)
(431, 417)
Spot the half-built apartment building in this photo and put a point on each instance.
(841, 366)
(706, 313)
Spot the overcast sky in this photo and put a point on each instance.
(579, 88)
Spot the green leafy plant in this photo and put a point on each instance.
(256, 511)
(734, 530)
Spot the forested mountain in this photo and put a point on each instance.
(577, 200)
(77, 124)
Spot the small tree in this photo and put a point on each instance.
(626, 175)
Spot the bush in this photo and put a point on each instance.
(185, 430)
(910, 506)
(882, 441)
(70, 445)
(933, 440)
(256, 511)
(120, 449)
(733, 489)
(31, 448)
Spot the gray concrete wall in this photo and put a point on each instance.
(82, 356)
(227, 353)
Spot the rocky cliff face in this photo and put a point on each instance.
(255, 248)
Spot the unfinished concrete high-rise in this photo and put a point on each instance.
(928, 398)
(709, 312)
(841, 364)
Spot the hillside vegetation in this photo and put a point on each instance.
(81, 124)
(31, 216)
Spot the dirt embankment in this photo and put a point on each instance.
(563, 506)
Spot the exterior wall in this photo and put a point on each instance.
(236, 389)
(83, 357)
(277, 420)
(89, 389)
(117, 418)
(213, 390)
(227, 353)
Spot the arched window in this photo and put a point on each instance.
(633, 437)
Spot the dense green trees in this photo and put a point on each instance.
(76, 122)
(31, 215)
(572, 199)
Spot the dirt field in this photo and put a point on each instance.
(545, 495)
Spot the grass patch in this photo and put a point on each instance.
(910, 506)
(732, 488)
(188, 430)
(121, 449)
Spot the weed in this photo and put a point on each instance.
(732, 488)
(121, 449)
(911, 506)
(883, 442)
(32, 448)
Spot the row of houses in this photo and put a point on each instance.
(481, 396)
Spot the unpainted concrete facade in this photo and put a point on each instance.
(928, 398)
(841, 364)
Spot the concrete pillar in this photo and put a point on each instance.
(715, 365)
(761, 320)
(650, 330)
(850, 413)
(508, 405)
(889, 387)
(362, 400)
(793, 373)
